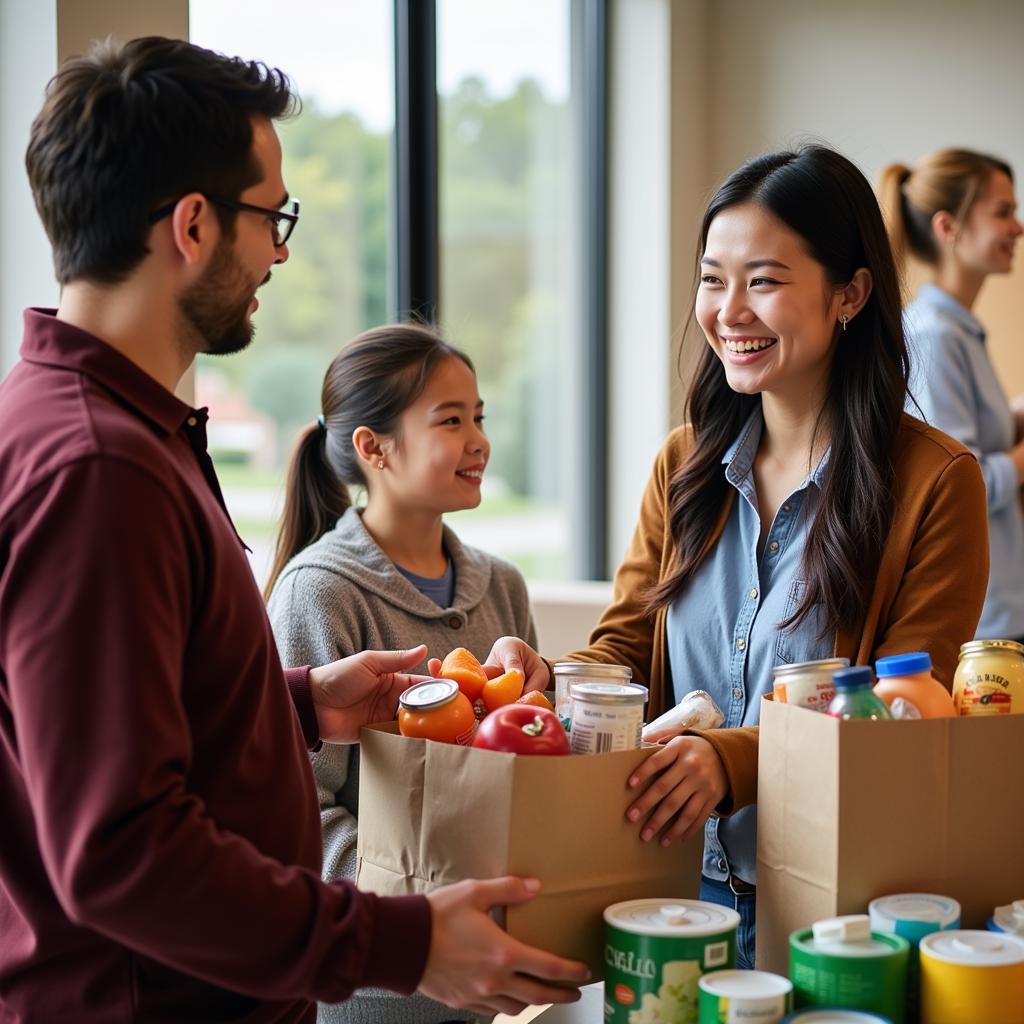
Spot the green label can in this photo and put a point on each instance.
(744, 997)
(865, 975)
(655, 953)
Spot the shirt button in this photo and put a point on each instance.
(455, 622)
(741, 644)
(786, 507)
(191, 421)
(722, 864)
(773, 546)
(737, 692)
(753, 594)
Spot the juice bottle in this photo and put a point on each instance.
(854, 697)
(910, 676)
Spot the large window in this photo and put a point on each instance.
(335, 283)
(509, 276)
(508, 251)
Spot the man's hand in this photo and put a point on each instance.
(474, 965)
(689, 782)
(360, 690)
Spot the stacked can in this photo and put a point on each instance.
(970, 977)
(754, 997)
(834, 1015)
(913, 915)
(655, 953)
(841, 962)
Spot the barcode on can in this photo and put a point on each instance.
(603, 742)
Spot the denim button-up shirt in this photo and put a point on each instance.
(723, 631)
(956, 388)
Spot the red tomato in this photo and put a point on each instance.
(522, 729)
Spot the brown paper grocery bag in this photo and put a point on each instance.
(432, 813)
(848, 811)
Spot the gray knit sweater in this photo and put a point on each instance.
(342, 595)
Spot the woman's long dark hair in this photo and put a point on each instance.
(826, 200)
(370, 383)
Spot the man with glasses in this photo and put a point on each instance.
(161, 844)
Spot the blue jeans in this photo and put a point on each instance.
(712, 891)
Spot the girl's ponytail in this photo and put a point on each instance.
(314, 500)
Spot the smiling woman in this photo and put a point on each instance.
(799, 514)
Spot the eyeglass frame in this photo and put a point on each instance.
(275, 216)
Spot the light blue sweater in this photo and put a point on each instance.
(955, 385)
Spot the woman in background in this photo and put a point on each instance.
(956, 212)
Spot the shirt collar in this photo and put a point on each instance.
(739, 456)
(52, 342)
(932, 295)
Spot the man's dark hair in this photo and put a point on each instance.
(126, 127)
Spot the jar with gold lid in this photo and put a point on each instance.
(989, 679)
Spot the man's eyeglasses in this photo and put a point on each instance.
(282, 222)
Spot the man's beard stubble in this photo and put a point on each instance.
(213, 315)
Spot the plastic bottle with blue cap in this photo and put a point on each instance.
(906, 684)
(854, 697)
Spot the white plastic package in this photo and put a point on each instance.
(697, 710)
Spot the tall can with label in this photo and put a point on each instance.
(569, 672)
(989, 678)
(655, 954)
(606, 717)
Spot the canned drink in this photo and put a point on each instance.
(808, 684)
(729, 997)
(1008, 919)
(569, 672)
(655, 953)
(868, 974)
(913, 915)
(972, 976)
(834, 1015)
(606, 717)
(989, 678)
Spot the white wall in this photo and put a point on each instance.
(880, 81)
(28, 58)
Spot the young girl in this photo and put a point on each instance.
(955, 211)
(402, 418)
(799, 515)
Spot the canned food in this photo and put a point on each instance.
(569, 672)
(727, 997)
(606, 717)
(436, 709)
(972, 976)
(808, 684)
(913, 915)
(655, 953)
(989, 678)
(870, 974)
(1008, 919)
(834, 1015)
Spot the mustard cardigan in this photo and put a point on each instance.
(927, 596)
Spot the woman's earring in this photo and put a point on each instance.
(380, 463)
(844, 320)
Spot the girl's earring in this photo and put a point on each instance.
(844, 320)
(380, 463)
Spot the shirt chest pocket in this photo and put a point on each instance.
(802, 641)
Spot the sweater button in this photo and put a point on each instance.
(455, 622)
